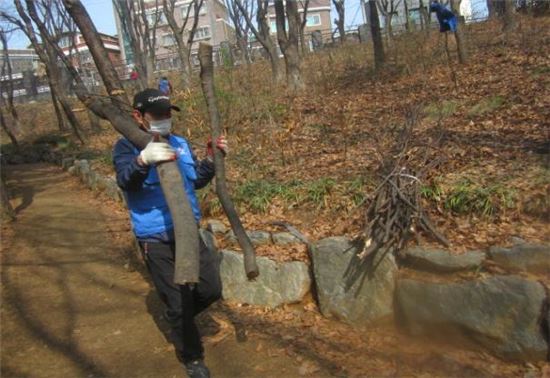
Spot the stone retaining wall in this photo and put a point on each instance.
(508, 315)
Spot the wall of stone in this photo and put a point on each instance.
(507, 313)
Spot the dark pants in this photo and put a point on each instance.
(183, 302)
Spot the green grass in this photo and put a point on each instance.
(257, 195)
(486, 105)
(469, 197)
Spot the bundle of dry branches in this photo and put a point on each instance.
(395, 213)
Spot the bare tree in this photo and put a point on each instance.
(508, 19)
(263, 35)
(183, 45)
(340, 9)
(7, 85)
(455, 7)
(5, 126)
(47, 56)
(303, 22)
(424, 16)
(52, 71)
(388, 8)
(7, 208)
(288, 41)
(377, 44)
(242, 29)
(407, 18)
(139, 24)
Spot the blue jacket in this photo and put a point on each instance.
(446, 18)
(149, 211)
(164, 86)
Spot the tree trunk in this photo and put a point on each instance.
(11, 106)
(508, 19)
(377, 43)
(58, 115)
(461, 52)
(207, 81)
(288, 42)
(407, 18)
(7, 209)
(7, 130)
(71, 117)
(185, 226)
(340, 9)
(263, 35)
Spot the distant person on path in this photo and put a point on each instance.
(165, 86)
(137, 175)
(446, 18)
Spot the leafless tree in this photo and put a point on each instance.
(6, 87)
(45, 53)
(424, 16)
(407, 18)
(7, 209)
(303, 22)
(459, 37)
(288, 41)
(508, 19)
(388, 8)
(178, 32)
(340, 9)
(378, 45)
(139, 24)
(242, 29)
(263, 35)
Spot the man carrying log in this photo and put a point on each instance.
(152, 223)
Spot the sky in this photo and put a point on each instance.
(101, 12)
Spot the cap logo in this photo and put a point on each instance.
(158, 98)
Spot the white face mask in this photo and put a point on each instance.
(163, 127)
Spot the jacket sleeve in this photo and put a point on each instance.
(205, 172)
(129, 175)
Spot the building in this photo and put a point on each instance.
(317, 19)
(213, 27)
(22, 60)
(24, 64)
(74, 45)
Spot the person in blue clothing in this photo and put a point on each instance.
(137, 176)
(446, 18)
(165, 86)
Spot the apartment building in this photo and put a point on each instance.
(317, 19)
(213, 27)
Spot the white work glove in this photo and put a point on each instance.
(157, 152)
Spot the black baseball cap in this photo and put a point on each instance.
(153, 101)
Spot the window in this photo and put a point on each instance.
(273, 26)
(158, 17)
(185, 8)
(64, 42)
(313, 19)
(167, 40)
(202, 33)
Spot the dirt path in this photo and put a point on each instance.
(71, 309)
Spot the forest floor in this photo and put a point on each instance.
(75, 305)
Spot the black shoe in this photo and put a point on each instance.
(197, 369)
